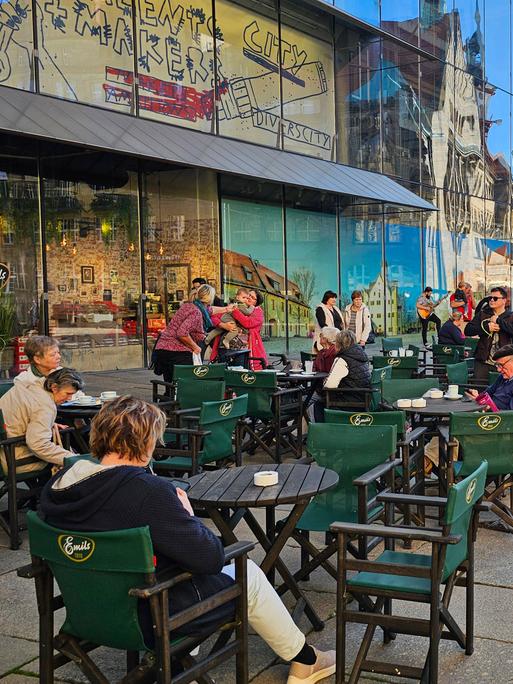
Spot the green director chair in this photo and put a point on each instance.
(209, 439)
(421, 578)
(105, 580)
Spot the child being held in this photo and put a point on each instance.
(241, 302)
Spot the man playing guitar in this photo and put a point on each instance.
(425, 310)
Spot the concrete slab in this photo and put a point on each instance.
(16, 653)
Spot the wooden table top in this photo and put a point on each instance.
(233, 487)
(442, 407)
(288, 376)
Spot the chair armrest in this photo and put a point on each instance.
(412, 499)
(29, 571)
(233, 551)
(186, 431)
(8, 441)
(414, 534)
(346, 390)
(287, 390)
(184, 412)
(371, 475)
(413, 436)
(443, 431)
(190, 419)
(162, 383)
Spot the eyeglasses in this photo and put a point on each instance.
(495, 299)
(500, 366)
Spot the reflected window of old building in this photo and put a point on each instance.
(93, 259)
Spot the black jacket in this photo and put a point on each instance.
(479, 326)
(450, 334)
(124, 497)
(359, 368)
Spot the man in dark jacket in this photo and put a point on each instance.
(494, 325)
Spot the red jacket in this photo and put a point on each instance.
(253, 324)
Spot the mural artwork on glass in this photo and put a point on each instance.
(16, 45)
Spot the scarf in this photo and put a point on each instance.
(207, 321)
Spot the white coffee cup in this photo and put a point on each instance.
(309, 366)
(394, 352)
(85, 399)
(436, 394)
(452, 390)
(402, 351)
(409, 352)
(107, 396)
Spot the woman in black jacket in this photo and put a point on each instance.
(357, 362)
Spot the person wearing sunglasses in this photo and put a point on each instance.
(494, 325)
(501, 391)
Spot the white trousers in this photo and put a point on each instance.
(268, 616)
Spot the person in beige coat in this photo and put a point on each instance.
(30, 411)
(357, 318)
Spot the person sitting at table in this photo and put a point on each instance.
(30, 411)
(451, 331)
(501, 391)
(117, 493)
(323, 361)
(44, 357)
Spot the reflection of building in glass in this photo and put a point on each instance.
(243, 271)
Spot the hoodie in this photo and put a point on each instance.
(90, 497)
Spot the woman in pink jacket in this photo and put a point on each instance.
(252, 327)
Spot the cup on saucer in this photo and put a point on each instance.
(452, 391)
(107, 396)
(86, 399)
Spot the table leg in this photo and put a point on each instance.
(272, 559)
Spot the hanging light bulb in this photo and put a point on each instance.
(64, 241)
(74, 250)
(131, 247)
(47, 247)
(161, 249)
(147, 256)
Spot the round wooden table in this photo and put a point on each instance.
(228, 495)
(442, 407)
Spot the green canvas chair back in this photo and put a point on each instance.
(484, 436)
(461, 499)
(392, 390)
(5, 386)
(457, 373)
(402, 366)
(471, 343)
(448, 353)
(258, 386)
(363, 419)
(350, 451)
(192, 393)
(389, 343)
(213, 371)
(94, 571)
(377, 376)
(306, 356)
(220, 418)
(414, 349)
(492, 377)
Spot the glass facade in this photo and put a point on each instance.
(278, 74)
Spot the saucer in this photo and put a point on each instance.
(456, 396)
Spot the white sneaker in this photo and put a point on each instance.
(324, 666)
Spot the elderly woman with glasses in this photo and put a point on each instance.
(494, 325)
(501, 392)
(31, 410)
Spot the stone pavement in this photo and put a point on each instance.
(492, 661)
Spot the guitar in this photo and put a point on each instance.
(425, 312)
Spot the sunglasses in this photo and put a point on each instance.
(495, 299)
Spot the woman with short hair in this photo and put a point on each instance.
(357, 318)
(44, 357)
(31, 410)
(117, 493)
(328, 314)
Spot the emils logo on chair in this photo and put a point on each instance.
(77, 549)
(489, 422)
(226, 408)
(447, 350)
(383, 374)
(248, 378)
(393, 362)
(361, 419)
(200, 371)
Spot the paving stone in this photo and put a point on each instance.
(14, 653)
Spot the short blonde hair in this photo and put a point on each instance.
(329, 334)
(126, 426)
(205, 294)
(38, 345)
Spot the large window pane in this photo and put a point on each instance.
(469, 35)
(468, 174)
(361, 260)
(86, 52)
(439, 248)
(367, 10)
(20, 249)
(93, 258)
(497, 36)
(401, 19)
(16, 45)
(307, 81)
(403, 234)
(253, 251)
(176, 62)
(248, 67)
(400, 113)
(436, 34)
(358, 90)
(437, 123)
(181, 238)
(311, 229)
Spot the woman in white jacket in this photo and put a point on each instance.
(327, 314)
(357, 318)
